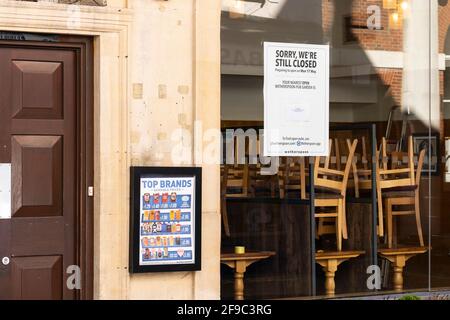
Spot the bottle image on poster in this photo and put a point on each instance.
(167, 226)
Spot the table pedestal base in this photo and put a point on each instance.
(330, 262)
(398, 257)
(240, 262)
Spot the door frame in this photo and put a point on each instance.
(84, 213)
(111, 29)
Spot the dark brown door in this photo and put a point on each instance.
(40, 100)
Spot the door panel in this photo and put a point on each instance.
(40, 277)
(38, 90)
(44, 234)
(37, 189)
(39, 105)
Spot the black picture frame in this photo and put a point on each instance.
(136, 174)
(423, 140)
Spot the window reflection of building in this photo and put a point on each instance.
(373, 70)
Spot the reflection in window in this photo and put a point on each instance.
(388, 77)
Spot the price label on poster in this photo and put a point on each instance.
(165, 218)
(296, 99)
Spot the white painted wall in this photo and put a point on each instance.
(421, 62)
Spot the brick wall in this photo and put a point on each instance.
(393, 79)
(390, 38)
(444, 23)
(327, 15)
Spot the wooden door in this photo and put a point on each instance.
(40, 134)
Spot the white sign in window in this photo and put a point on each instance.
(296, 99)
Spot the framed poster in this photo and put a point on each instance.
(430, 144)
(165, 219)
(296, 99)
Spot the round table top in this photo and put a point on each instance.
(249, 255)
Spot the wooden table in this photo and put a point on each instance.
(330, 262)
(398, 257)
(240, 262)
(278, 225)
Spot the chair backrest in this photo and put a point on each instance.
(235, 177)
(364, 156)
(341, 146)
(337, 155)
(419, 167)
(223, 179)
(396, 177)
(223, 200)
(292, 176)
(401, 160)
(384, 158)
(335, 180)
(325, 160)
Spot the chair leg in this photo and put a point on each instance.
(339, 226)
(344, 220)
(272, 187)
(357, 190)
(380, 214)
(356, 180)
(226, 225)
(418, 222)
(281, 191)
(388, 209)
(319, 228)
(394, 231)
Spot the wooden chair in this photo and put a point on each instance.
(237, 180)
(337, 154)
(394, 179)
(335, 161)
(322, 228)
(363, 170)
(331, 201)
(259, 182)
(292, 176)
(398, 203)
(235, 184)
(327, 225)
(223, 199)
(360, 173)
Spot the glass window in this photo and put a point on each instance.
(339, 224)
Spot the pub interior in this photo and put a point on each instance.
(316, 226)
